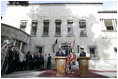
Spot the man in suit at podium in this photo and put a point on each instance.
(60, 53)
(82, 53)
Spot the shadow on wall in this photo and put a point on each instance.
(94, 34)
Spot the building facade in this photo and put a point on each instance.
(15, 37)
(85, 23)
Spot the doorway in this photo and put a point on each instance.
(66, 48)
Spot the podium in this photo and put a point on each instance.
(83, 65)
(61, 65)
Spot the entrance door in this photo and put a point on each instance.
(39, 49)
(66, 48)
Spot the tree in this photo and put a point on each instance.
(23, 3)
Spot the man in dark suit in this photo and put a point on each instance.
(10, 60)
(28, 60)
(59, 53)
(38, 60)
(16, 59)
(82, 54)
(42, 61)
(49, 62)
(32, 60)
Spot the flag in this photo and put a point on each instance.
(67, 63)
(55, 43)
(71, 58)
(73, 44)
(5, 45)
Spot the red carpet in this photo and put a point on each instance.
(52, 73)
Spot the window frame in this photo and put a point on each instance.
(82, 28)
(35, 21)
(23, 24)
(57, 21)
(96, 56)
(44, 26)
(38, 47)
(70, 22)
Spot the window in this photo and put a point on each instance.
(78, 49)
(46, 27)
(66, 48)
(82, 25)
(24, 46)
(108, 24)
(115, 49)
(92, 51)
(39, 49)
(109, 28)
(23, 24)
(34, 27)
(18, 43)
(70, 28)
(58, 27)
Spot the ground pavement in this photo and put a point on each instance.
(52, 73)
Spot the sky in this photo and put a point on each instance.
(107, 5)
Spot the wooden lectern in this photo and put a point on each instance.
(83, 65)
(61, 65)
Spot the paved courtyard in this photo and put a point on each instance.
(48, 74)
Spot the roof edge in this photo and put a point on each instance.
(109, 11)
(64, 3)
(14, 27)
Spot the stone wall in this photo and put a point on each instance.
(11, 33)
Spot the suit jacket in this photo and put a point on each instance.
(59, 54)
(49, 58)
(33, 57)
(38, 58)
(11, 55)
(82, 54)
(28, 57)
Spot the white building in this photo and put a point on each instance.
(86, 23)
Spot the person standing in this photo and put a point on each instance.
(38, 60)
(28, 60)
(49, 62)
(82, 53)
(35, 60)
(10, 61)
(32, 60)
(16, 59)
(24, 61)
(42, 61)
(21, 59)
(59, 53)
(45, 61)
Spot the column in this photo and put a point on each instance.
(28, 42)
(114, 24)
(14, 43)
(103, 25)
(21, 44)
